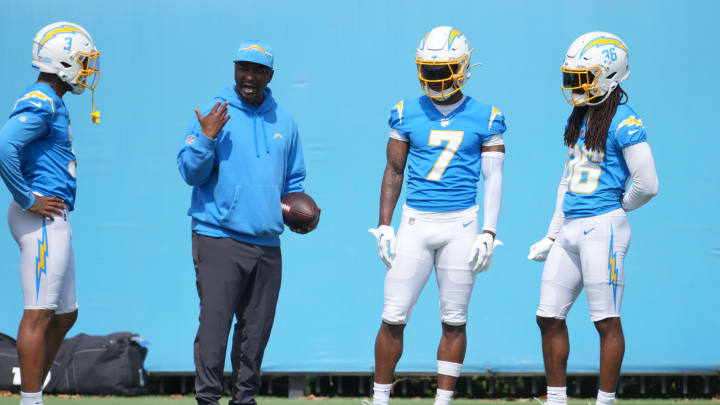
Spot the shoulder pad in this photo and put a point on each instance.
(35, 101)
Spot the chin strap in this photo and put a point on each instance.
(94, 114)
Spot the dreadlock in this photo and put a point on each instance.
(598, 124)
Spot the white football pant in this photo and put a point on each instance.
(47, 263)
(425, 240)
(588, 252)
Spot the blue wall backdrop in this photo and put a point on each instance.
(340, 66)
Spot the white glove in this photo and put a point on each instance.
(385, 236)
(540, 250)
(482, 249)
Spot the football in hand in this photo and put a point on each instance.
(299, 211)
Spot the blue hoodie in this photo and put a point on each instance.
(239, 177)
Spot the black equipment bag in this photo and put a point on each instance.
(100, 365)
(9, 364)
(97, 365)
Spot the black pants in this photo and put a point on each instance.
(233, 279)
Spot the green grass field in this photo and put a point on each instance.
(188, 400)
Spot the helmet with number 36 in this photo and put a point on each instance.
(594, 66)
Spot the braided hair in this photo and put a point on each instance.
(598, 123)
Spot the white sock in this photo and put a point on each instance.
(31, 398)
(381, 393)
(443, 397)
(605, 398)
(557, 395)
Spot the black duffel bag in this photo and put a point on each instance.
(100, 365)
(9, 364)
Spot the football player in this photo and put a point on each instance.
(38, 166)
(447, 139)
(589, 233)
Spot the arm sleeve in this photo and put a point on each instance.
(19, 131)
(559, 215)
(196, 158)
(492, 166)
(295, 175)
(639, 160)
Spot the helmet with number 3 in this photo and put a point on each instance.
(594, 66)
(443, 61)
(67, 50)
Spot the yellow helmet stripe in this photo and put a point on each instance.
(453, 34)
(50, 34)
(603, 41)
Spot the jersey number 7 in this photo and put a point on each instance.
(453, 139)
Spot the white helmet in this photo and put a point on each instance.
(67, 50)
(594, 66)
(443, 54)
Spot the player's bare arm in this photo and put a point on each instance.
(212, 123)
(397, 152)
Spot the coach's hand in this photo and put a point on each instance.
(385, 236)
(303, 231)
(481, 252)
(214, 121)
(47, 206)
(540, 250)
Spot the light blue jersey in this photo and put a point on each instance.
(444, 154)
(36, 153)
(597, 180)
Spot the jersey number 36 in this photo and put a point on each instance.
(584, 169)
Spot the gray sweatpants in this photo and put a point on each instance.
(233, 279)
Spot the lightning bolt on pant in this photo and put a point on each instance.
(588, 252)
(241, 280)
(47, 262)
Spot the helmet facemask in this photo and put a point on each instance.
(88, 77)
(450, 75)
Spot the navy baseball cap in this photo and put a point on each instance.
(255, 51)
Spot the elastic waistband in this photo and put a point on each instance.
(618, 212)
(446, 216)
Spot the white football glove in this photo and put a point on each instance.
(385, 236)
(540, 249)
(481, 252)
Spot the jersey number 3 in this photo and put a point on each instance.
(453, 139)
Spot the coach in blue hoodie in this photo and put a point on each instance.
(241, 155)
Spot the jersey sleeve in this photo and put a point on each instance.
(629, 132)
(19, 131)
(496, 123)
(398, 129)
(196, 157)
(36, 103)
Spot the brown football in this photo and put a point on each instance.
(299, 211)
